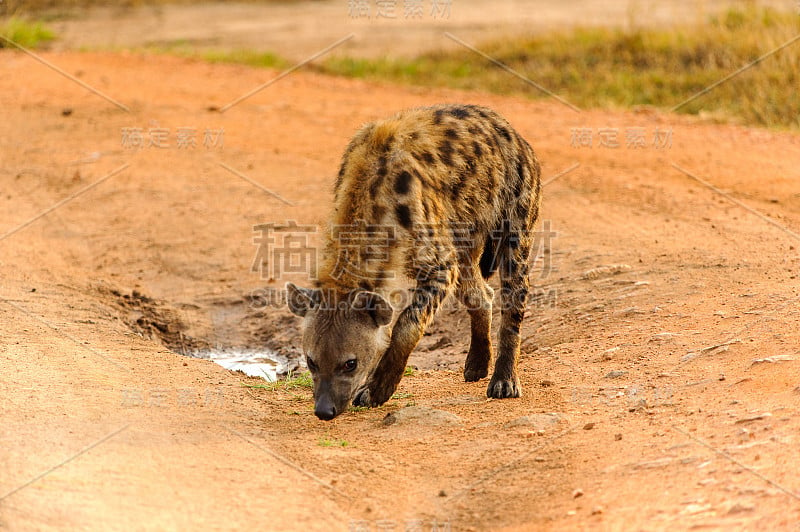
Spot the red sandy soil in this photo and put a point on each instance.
(654, 299)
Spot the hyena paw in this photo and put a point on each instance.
(474, 375)
(362, 398)
(372, 398)
(503, 388)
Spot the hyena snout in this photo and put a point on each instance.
(325, 409)
(327, 403)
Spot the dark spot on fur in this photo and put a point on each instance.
(455, 192)
(403, 183)
(425, 157)
(476, 147)
(451, 133)
(387, 144)
(503, 131)
(516, 316)
(437, 116)
(520, 181)
(380, 175)
(414, 135)
(404, 216)
(470, 167)
(382, 167)
(460, 112)
(446, 152)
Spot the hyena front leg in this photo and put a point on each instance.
(408, 330)
(515, 285)
(477, 297)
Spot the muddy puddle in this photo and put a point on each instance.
(265, 364)
(229, 332)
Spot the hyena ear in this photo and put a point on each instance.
(301, 300)
(375, 305)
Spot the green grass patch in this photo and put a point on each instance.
(332, 442)
(246, 57)
(252, 58)
(409, 371)
(402, 395)
(293, 381)
(27, 33)
(600, 67)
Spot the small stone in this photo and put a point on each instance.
(617, 437)
(663, 337)
(421, 416)
(536, 422)
(772, 360)
(640, 405)
(577, 493)
(739, 508)
(605, 271)
(615, 374)
(442, 493)
(753, 418)
(66, 111)
(588, 426)
(597, 510)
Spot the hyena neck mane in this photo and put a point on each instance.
(360, 256)
(339, 289)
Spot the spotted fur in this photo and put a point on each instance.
(445, 196)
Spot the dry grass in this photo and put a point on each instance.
(622, 68)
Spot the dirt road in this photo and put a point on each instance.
(660, 361)
(296, 30)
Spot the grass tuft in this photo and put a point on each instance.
(293, 381)
(331, 442)
(600, 67)
(30, 34)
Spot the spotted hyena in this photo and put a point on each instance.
(442, 195)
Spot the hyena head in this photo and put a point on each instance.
(344, 337)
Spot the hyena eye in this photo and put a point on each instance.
(350, 365)
(311, 364)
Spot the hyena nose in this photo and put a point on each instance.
(325, 410)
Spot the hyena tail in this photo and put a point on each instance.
(489, 259)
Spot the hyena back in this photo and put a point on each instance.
(445, 195)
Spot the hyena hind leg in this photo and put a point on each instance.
(477, 297)
(515, 285)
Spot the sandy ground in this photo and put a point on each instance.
(297, 30)
(660, 356)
